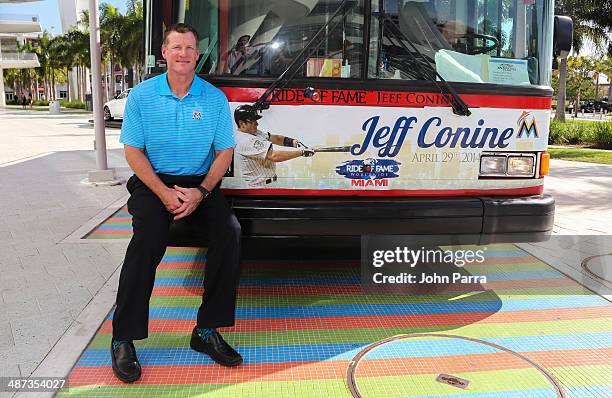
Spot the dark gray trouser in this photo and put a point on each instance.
(213, 218)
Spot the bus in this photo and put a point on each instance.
(422, 117)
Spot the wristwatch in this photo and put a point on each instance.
(205, 192)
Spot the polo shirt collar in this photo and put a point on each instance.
(197, 88)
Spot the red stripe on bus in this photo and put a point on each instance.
(534, 190)
(375, 321)
(387, 99)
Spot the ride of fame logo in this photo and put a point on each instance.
(369, 169)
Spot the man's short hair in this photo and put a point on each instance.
(180, 28)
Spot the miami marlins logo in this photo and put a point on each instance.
(525, 127)
(197, 115)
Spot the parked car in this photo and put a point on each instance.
(595, 106)
(114, 108)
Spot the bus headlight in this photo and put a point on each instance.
(521, 166)
(510, 164)
(493, 165)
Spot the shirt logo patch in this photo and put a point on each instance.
(197, 115)
(258, 145)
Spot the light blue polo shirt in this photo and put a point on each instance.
(179, 136)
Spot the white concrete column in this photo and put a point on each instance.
(73, 84)
(2, 94)
(102, 175)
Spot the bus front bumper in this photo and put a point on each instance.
(493, 218)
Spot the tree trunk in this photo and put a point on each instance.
(84, 78)
(105, 92)
(111, 78)
(130, 79)
(596, 86)
(79, 83)
(560, 115)
(577, 104)
(68, 84)
(83, 83)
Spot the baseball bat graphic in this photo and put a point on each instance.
(333, 149)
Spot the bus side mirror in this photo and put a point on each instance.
(562, 37)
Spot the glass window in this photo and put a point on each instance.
(476, 41)
(262, 37)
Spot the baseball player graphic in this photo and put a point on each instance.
(254, 150)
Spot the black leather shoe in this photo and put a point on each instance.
(216, 348)
(125, 363)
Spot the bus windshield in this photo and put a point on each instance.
(505, 42)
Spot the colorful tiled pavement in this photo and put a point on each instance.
(299, 323)
(117, 226)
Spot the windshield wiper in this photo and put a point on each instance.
(424, 66)
(263, 103)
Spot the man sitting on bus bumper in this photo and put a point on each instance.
(178, 139)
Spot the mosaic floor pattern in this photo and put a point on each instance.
(300, 323)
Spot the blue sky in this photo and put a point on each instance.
(48, 11)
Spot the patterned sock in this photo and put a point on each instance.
(117, 343)
(204, 333)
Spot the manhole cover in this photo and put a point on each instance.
(599, 267)
(439, 365)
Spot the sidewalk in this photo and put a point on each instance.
(45, 285)
(582, 193)
(45, 108)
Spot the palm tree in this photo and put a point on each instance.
(580, 77)
(606, 69)
(597, 71)
(78, 46)
(27, 75)
(111, 24)
(12, 79)
(131, 49)
(591, 21)
(63, 58)
(47, 64)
